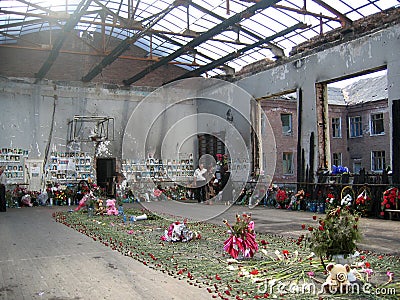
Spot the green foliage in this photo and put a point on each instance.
(336, 233)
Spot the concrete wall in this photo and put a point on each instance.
(35, 116)
(303, 71)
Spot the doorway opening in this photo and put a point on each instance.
(106, 175)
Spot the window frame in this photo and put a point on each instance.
(285, 166)
(339, 127)
(354, 166)
(381, 159)
(340, 158)
(353, 123)
(290, 131)
(372, 123)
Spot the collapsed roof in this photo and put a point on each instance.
(206, 37)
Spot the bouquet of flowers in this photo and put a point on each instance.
(281, 198)
(335, 234)
(242, 237)
(98, 191)
(363, 202)
(331, 201)
(179, 232)
(390, 197)
(60, 197)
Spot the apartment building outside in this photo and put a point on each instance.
(359, 128)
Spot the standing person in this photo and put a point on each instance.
(226, 186)
(3, 182)
(200, 183)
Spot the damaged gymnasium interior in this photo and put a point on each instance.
(87, 90)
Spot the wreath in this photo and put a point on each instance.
(390, 199)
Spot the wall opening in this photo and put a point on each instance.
(359, 123)
(282, 113)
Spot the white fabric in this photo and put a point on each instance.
(199, 174)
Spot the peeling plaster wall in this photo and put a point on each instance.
(369, 52)
(35, 116)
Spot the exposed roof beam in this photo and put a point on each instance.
(202, 38)
(53, 16)
(96, 53)
(172, 41)
(235, 54)
(277, 51)
(126, 22)
(344, 19)
(117, 51)
(136, 7)
(306, 12)
(71, 23)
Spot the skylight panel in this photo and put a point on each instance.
(264, 23)
(354, 15)
(368, 10)
(385, 4)
(339, 5)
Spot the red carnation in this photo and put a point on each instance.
(254, 272)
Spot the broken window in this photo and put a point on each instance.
(377, 126)
(286, 123)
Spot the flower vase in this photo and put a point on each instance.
(90, 212)
(321, 208)
(120, 210)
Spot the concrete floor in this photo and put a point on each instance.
(43, 259)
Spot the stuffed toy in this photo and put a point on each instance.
(99, 208)
(337, 280)
(111, 209)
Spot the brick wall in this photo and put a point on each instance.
(339, 144)
(352, 149)
(360, 148)
(273, 109)
(72, 63)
